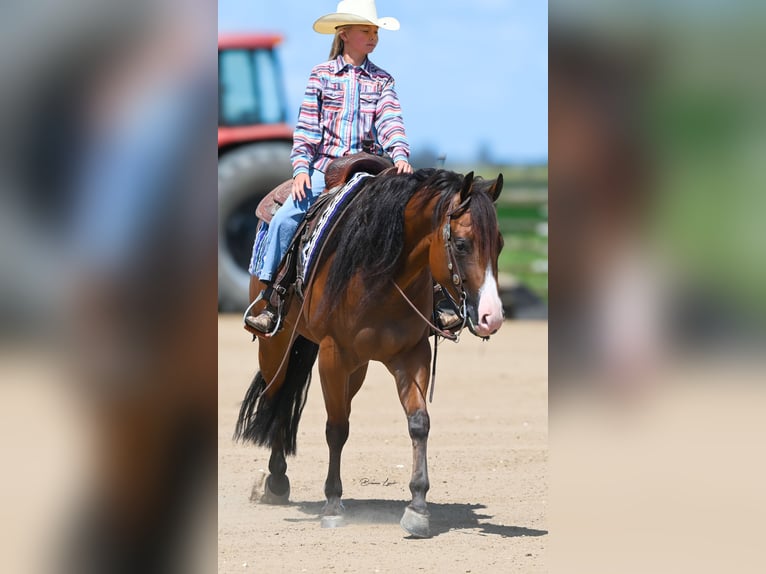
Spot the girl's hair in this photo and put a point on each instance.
(337, 42)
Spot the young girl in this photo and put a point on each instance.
(348, 99)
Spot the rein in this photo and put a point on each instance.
(303, 299)
(457, 280)
(434, 328)
(457, 277)
(437, 333)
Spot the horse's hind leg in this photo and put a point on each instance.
(272, 407)
(411, 373)
(276, 488)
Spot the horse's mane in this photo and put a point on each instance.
(370, 238)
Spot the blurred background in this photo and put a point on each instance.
(657, 255)
(107, 290)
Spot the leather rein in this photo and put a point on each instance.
(457, 280)
(456, 274)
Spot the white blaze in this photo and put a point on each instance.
(490, 306)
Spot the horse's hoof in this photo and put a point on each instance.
(270, 497)
(334, 521)
(332, 515)
(415, 523)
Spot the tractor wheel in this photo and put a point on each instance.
(245, 175)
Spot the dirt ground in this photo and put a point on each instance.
(487, 459)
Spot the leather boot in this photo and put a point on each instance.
(445, 314)
(265, 321)
(446, 317)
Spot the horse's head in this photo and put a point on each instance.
(463, 256)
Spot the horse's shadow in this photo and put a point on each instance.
(444, 516)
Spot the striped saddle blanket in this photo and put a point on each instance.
(321, 219)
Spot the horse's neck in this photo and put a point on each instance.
(418, 234)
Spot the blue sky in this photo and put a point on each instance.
(469, 73)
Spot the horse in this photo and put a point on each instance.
(368, 300)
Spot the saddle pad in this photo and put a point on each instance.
(259, 247)
(312, 242)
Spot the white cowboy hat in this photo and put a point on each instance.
(354, 12)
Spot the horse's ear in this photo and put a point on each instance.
(467, 182)
(496, 188)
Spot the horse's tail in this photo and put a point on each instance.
(267, 422)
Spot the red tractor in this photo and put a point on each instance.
(254, 142)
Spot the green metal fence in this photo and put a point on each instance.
(522, 210)
(523, 218)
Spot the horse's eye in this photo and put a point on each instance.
(462, 246)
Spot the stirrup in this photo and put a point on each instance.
(447, 319)
(446, 315)
(272, 311)
(269, 315)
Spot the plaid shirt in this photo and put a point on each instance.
(343, 105)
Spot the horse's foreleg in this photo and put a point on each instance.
(336, 432)
(336, 387)
(419, 424)
(411, 373)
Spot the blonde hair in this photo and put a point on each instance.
(338, 45)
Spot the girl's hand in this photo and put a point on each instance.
(403, 167)
(301, 183)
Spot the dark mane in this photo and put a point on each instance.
(370, 238)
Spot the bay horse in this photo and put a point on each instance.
(367, 301)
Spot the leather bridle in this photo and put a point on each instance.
(452, 264)
(456, 275)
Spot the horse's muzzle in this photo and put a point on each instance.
(487, 325)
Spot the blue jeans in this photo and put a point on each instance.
(282, 228)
